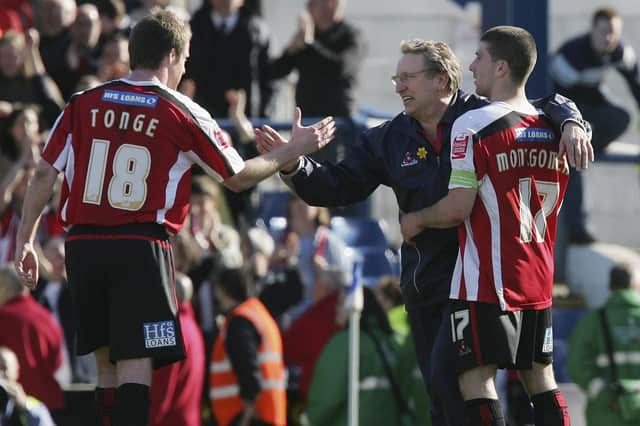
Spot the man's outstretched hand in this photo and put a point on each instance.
(312, 138)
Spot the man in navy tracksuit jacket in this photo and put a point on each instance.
(412, 158)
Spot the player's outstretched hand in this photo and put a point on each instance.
(576, 143)
(267, 139)
(26, 264)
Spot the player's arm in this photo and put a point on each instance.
(575, 140)
(304, 140)
(327, 184)
(37, 196)
(456, 206)
(450, 211)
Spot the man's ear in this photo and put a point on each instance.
(502, 68)
(173, 56)
(442, 80)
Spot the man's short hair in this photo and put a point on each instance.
(153, 38)
(235, 282)
(607, 13)
(620, 277)
(112, 9)
(515, 46)
(438, 59)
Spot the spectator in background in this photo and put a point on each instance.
(146, 6)
(247, 375)
(113, 20)
(80, 54)
(578, 70)
(34, 335)
(114, 58)
(327, 52)
(312, 241)
(19, 135)
(14, 15)
(229, 51)
(243, 138)
(22, 8)
(24, 79)
(278, 286)
(389, 296)
(176, 389)
(16, 407)
(328, 391)
(55, 295)
(588, 360)
(53, 21)
(302, 347)
(13, 187)
(53, 292)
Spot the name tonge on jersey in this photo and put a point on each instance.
(541, 158)
(124, 120)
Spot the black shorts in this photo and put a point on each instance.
(485, 335)
(123, 288)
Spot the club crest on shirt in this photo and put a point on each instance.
(459, 147)
(159, 334)
(422, 153)
(408, 160)
(547, 344)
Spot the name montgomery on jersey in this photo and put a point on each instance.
(531, 157)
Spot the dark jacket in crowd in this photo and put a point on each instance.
(236, 60)
(327, 71)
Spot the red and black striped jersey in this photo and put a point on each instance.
(506, 244)
(126, 149)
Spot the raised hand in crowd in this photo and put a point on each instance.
(237, 100)
(305, 34)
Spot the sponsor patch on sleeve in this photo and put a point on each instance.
(460, 145)
(159, 334)
(130, 98)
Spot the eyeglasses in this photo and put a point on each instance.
(406, 76)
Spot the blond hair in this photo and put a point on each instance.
(438, 58)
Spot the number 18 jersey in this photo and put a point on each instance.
(126, 149)
(506, 244)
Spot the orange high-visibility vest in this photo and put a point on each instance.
(224, 392)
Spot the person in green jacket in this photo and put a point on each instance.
(328, 392)
(410, 380)
(588, 360)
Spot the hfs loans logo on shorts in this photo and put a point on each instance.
(159, 334)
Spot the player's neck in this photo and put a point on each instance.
(148, 75)
(512, 95)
